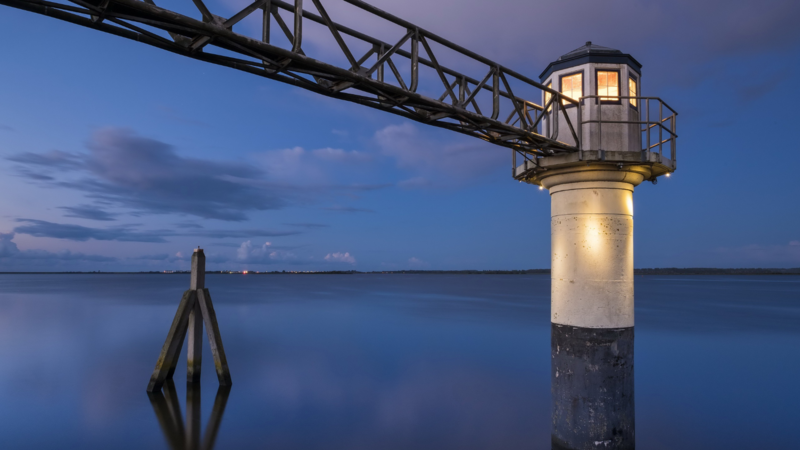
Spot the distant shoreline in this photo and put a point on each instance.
(663, 271)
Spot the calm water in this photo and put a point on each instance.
(389, 361)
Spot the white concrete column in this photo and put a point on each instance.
(592, 247)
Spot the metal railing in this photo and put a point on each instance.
(666, 125)
(663, 128)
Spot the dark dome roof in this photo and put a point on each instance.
(591, 53)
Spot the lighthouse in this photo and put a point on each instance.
(623, 139)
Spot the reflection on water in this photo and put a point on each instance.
(592, 387)
(167, 408)
(390, 362)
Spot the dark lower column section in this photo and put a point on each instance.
(592, 386)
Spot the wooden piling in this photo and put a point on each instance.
(194, 355)
(168, 358)
(190, 317)
(214, 337)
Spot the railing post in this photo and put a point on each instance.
(580, 129)
(660, 128)
(674, 145)
(647, 124)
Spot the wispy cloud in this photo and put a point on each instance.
(308, 225)
(337, 154)
(41, 228)
(417, 263)
(348, 209)
(88, 212)
(430, 159)
(345, 257)
(12, 258)
(264, 254)
(129, 233)
(148, 176)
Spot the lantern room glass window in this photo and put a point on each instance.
(608, 85)
(572, 86)
(632, 89)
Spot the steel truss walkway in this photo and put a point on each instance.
(360, 79)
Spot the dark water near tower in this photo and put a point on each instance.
(390, 361)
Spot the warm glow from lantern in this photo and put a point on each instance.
(572, 86)
(632, 91)
(608, 85)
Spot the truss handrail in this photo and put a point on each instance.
(458, 109)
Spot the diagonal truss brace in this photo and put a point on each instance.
(213, 40)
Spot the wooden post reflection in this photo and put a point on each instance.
(167, 409)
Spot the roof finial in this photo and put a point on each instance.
(588, 43)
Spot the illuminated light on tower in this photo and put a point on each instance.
(623, 139)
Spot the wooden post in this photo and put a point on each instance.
(214, 337)
(194, 355)
(191, 316)
(172, 346)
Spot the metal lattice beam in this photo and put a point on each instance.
(360, 80)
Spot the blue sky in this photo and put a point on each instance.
(119, 156)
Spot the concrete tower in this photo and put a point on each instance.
(623, 140)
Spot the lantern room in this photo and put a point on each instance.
(601, 112)
(602, 76)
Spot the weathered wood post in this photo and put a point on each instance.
(194, 310)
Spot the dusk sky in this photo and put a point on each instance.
(118, 156)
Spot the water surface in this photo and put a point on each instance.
(390, 361)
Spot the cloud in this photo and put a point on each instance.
(417, 263)
(165, 257)
(41, 228)
(54, 159)
(340, 258)
(753, 92)
(308, 225)
(148, 176)
(321, 169)
(347, 209)
(88, 212)
(188, 225)
(336, 154)
(12, 258)
(243, 233)
(432, 159)
(415, 183)
(127, 233)
(6, 128)
(265, 254)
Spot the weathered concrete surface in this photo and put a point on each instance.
(592, 388)
(592, 248)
